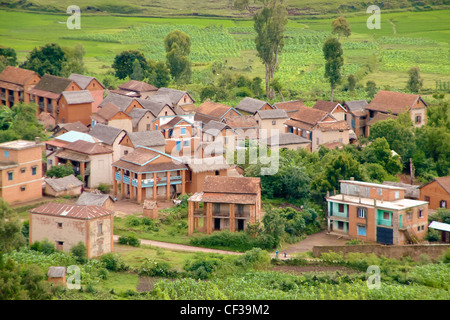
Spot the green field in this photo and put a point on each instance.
(420, 39)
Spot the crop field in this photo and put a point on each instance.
(420, 39)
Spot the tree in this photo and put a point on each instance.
(74, 63)
(138, 73)
(278, 87)
(208, 92)
(270, 25)
(241, 5)
(256, 86)
(123, 63)
(160, 74)
(60, 171)
(334, 60)
(178, 46)
(9, 55)
(80, 252)
(371, 88)
(11, 236)
(380, 153)
(415, 82)
(341, 27)
(49, 58)
(351, 82)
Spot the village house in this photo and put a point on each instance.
(67, 225)
(66, 186)
(75, 106)
(318, 126)
(176, 98)
(96, 199)
(109, 137)
(48, 91)
(181, 139)
(333, 108)
(201, 167)
(291, 107)
(64, 139)
(436, 193)
(377, 117)
(210, 110)
(287, 140)
(21, 170)
(136, 89)
(125, 104)
(376, 213)
(395, 103)
(56, 275)
(111, 115)
(272, 119)
(150, 139)
(357, 116)
(245, 127)
(249, 106)
(47, 120)
(14, 85)
(93, 85)
(92, 161)
(62, 128)
(141, 119)
(147, 173)
(217, 134)
(229, 203)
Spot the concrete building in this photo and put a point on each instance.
(376, 213)
(229, 203)
(21, 170)
(67, 225)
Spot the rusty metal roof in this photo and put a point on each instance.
(71, 211)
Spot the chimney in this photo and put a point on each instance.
(37, 140)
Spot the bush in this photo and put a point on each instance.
(80, 252)
(255, 259)
(132, 221)
(104, 187)
(130, 240)
(113, 262)
(432, 235)
(154, 268)
(44, 246)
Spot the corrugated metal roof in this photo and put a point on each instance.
(71, 211)
(439, 226)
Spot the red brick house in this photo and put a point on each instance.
(75, 106)
(95, 87)
(436, 193)
(14, 85)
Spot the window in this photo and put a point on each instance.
(23, 170)
(59, 225)
(379, 192)
(217, 172)
(418, 119)
(427, 198)
(23, 188)
(361, 212)
(216, 207)
(186, 143)
(443, 204)
(100, 228)
(148, 127)
(361, 230)
(420, 213)
(386, 216)
(10, 176)
(274, 122)
(183, 130)
(6, 153)
(100, 247)
(340, 225)
(341, 207)
(408, 215)
(240, 208)
(422, 227)
(34, 171)
(418, 228)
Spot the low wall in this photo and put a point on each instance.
(433, 251)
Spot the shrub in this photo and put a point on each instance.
(154, 268)
(113, 262)
(132, 221)
(44, 246)
(80, 252)
(432, 235)
(130, 240)
(104, 187)
(255, 259)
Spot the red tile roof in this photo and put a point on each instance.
(14, 78)
(391, 101)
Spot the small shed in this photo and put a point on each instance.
(443, 228)
(150, 209)
(66, 186)
(56, 275)
(93, 199)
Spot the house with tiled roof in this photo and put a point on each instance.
(111, 115)
(395, 103)
(271, 120)
(93, 85)
(109, 136)
(75, 106)
(285, 140)
(250, 105)
(48, 91)
(125, 104)
(180, 135)
(14, 85)
(436, 193)
(357, 116)
(333, 108)
(147, 173)
(92, 161)
(318, 126)
(174, 96)
(210, 110)
(136, 89)
(66, 225)
(229, 203)
(291, 107)
(62, 128)
(152, 139)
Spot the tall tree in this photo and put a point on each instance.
(415, 82)
(178, 46)
(49, 58)
(138, 73)
(341, 27)
(123, 63)
(11, 236)
(270, 25)
(74, 63)
(9, 55)
(334, 61)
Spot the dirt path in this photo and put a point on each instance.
(180, 247)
